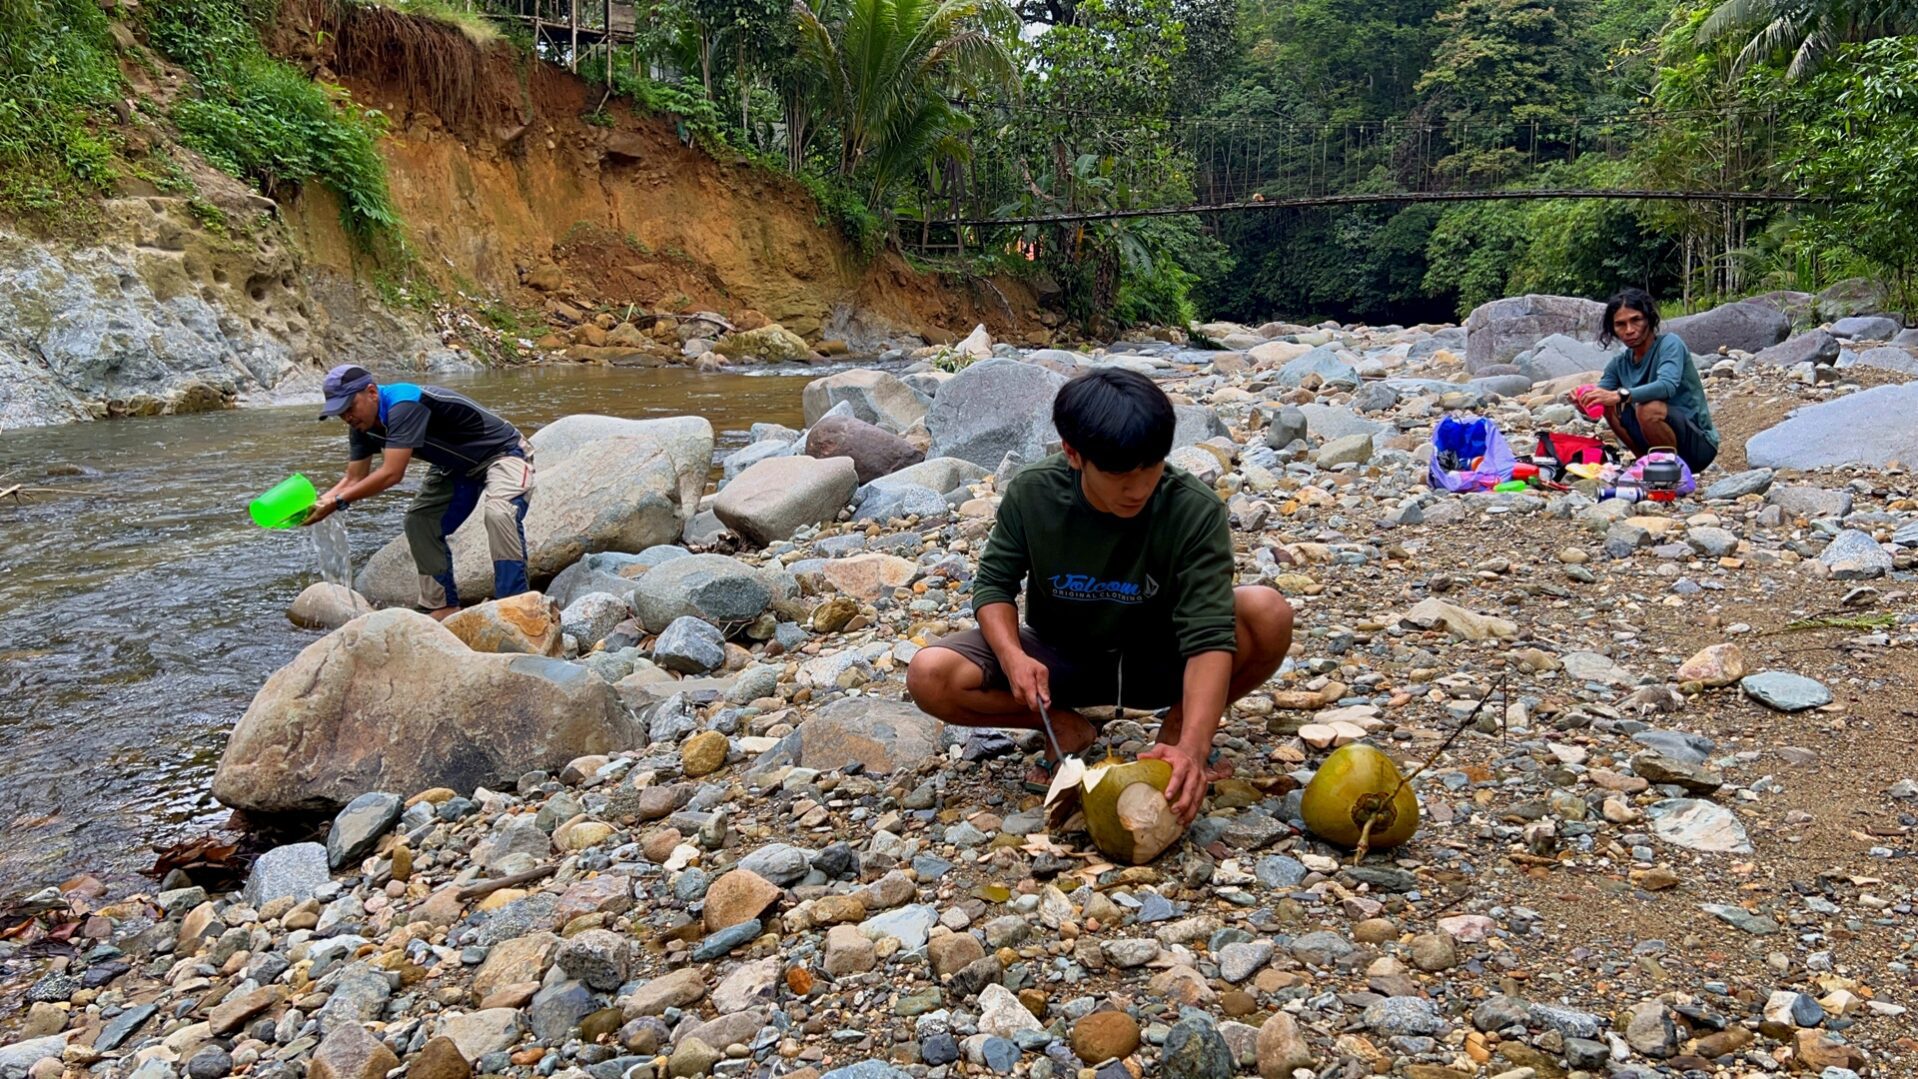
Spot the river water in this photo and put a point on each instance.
(139, 613)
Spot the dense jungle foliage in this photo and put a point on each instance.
(900, 115)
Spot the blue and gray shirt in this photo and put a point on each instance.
(441, 427)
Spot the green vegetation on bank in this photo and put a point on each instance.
(260, 118)
(58, 80)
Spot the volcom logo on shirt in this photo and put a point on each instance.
(1086, 587)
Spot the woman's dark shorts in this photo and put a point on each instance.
(1697, 450)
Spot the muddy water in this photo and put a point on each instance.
(139, 613)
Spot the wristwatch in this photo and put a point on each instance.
(1625, 396)
(339, 503)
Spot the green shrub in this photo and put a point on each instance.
(57, 78)
(841, 207)
(261, 119)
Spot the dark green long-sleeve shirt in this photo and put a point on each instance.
(1158, 582)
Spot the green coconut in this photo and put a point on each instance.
(1126, 811)
(1357, 782)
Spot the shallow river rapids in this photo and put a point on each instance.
(140, 611)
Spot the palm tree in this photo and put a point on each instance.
(885, 68)
(1809, 30)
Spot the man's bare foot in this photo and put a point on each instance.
(443, 613)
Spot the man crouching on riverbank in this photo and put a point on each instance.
(1129, 599)
(476, 459)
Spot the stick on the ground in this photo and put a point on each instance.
(1364, 846)
(488, 887)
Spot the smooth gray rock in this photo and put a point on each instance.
(747, 456)
(1785, 691)
(780, 863)
(613, 572)
(1813, 346)
(1866, 328)
(1351, 449)
(594, 615)
(1752, 481)
(1870, 428)
(690, 645)
(1853, 555)
(1884, 357)
(941, 474)
(895, 501)
(359, 827)
(1196, 423)
(394, 701)
(1560, 355)
(776, 498)
(1811, 502)
(1329, 422)
(1286, 426)
(714, 587)
(1323, 362)
(992, 408)
(1498, 331)
(1748, 327)
(293, 871)
(883, 736)
(1501, 385)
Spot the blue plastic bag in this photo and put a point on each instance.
(1470, 440)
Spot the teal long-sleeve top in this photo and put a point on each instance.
(1668, 374)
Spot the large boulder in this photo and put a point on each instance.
(602, 484)
(721, 590)
(1871, 428)
(1884, 357)
(395, 702)
(992, 408)
(1815, 346)
(774, 344)
(1866, 328)
(1559, 356)
(1498, 331)
(875, 452)
(1748, 327)
(877, 397)
(774, 499)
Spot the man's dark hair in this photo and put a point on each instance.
(1638, 300)
(1118, 420)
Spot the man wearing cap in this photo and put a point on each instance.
(478, 460)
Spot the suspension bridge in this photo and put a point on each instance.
(1029, 164)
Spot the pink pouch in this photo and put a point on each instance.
(1593, 412)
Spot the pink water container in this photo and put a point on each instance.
(1592, 411)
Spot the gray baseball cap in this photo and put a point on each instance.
(341, 385)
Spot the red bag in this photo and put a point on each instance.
(1568, 449)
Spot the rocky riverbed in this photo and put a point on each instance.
(674, 818)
